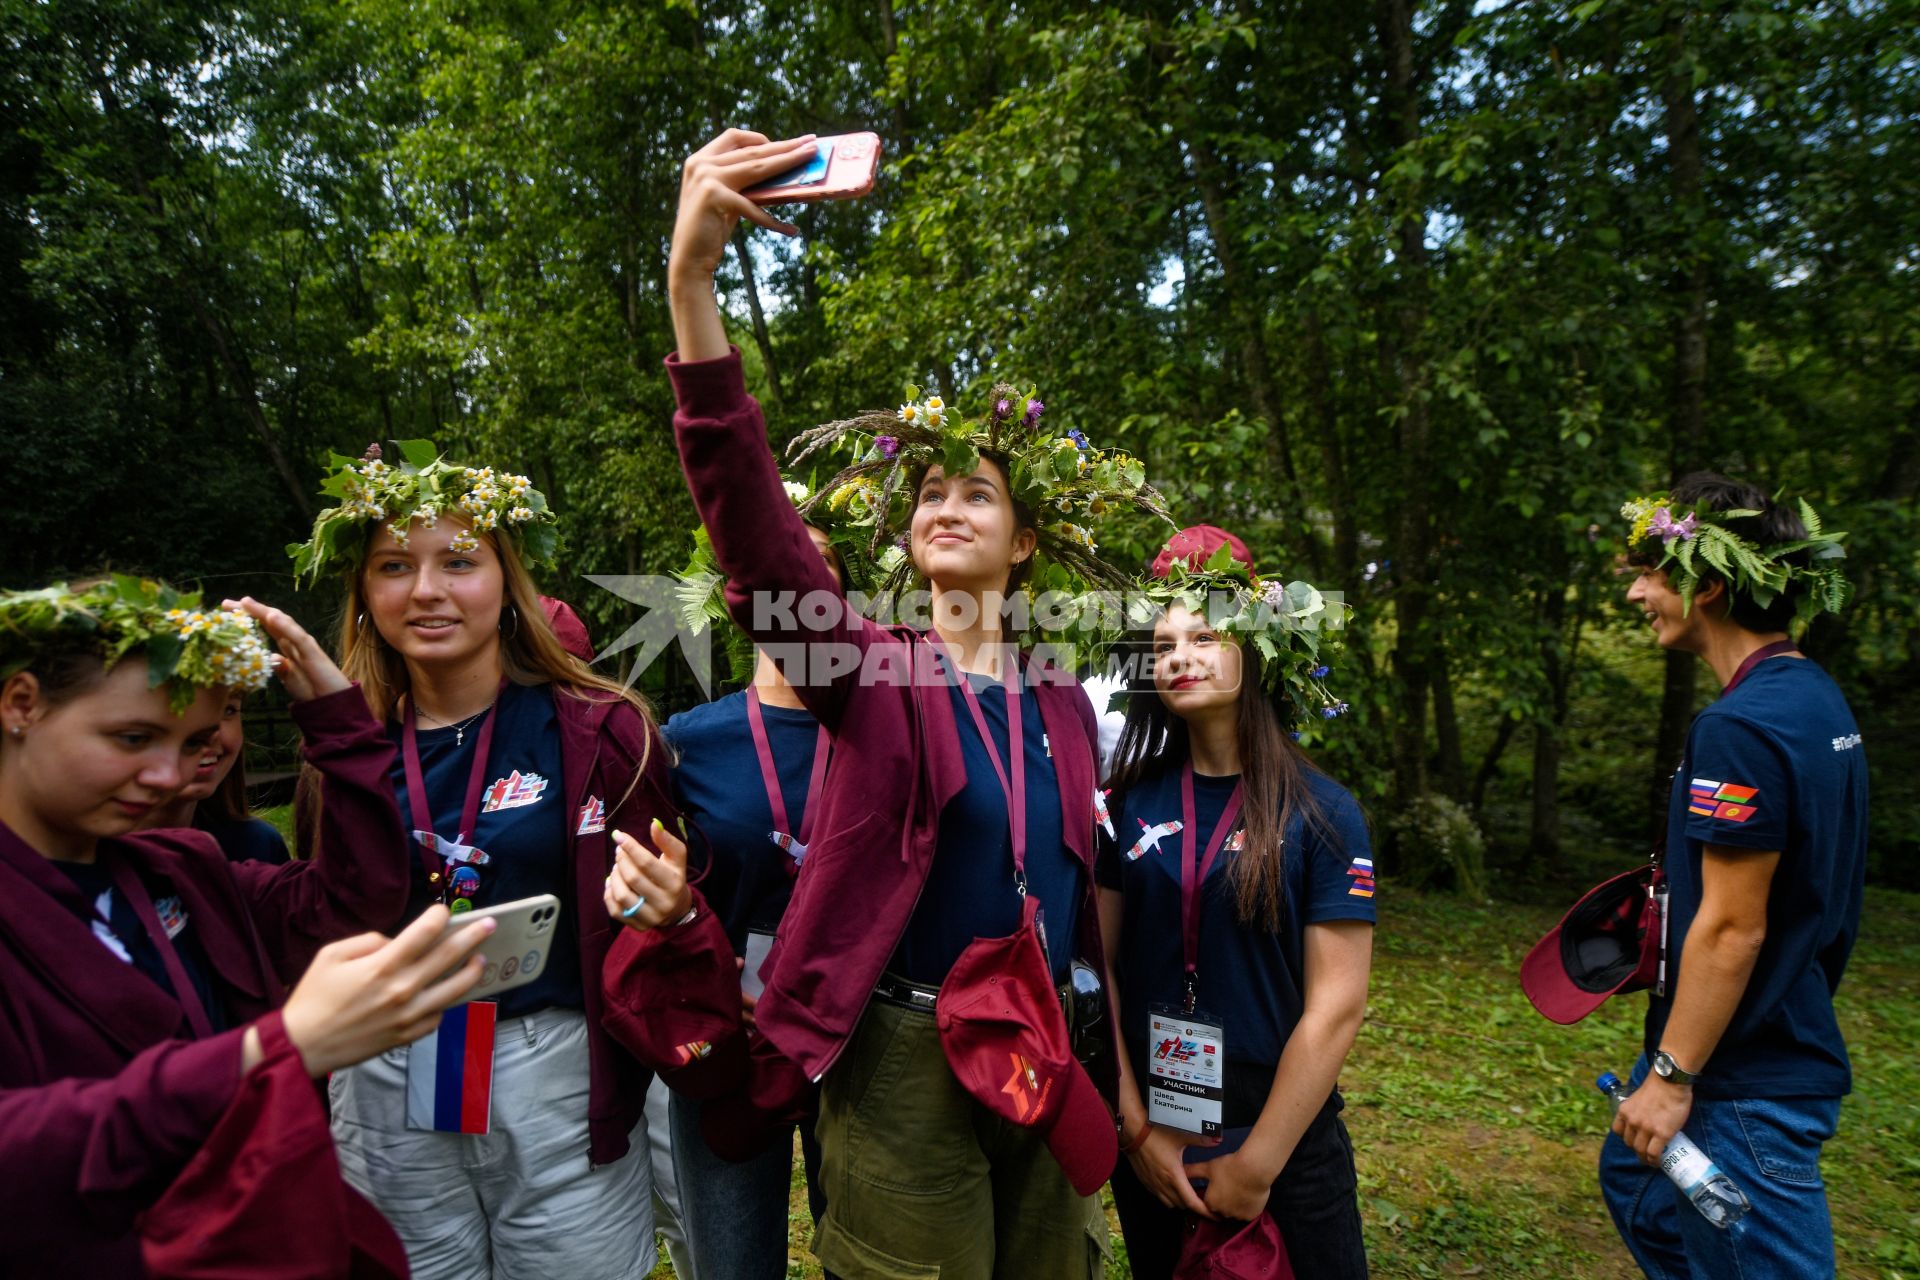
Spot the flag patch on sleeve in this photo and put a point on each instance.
(1727, 801)
(1362, 872)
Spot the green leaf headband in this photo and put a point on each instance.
(188, 647)
(1294, 626)
(701, 594)
(1699, 540)
(423, 487)
(1066, 482)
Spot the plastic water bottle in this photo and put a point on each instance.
(1713, 1193)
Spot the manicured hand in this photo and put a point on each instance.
(1160, 1169)
(304, 666)
(645, 889)
(1235, 1189)
(367, 994)
(1651, 1115)
(711, 204)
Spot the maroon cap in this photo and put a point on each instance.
(1195, 545)
(1607, 944)
(567, 626)
(1254, 1250)
(1006, 1039)
(673, 1001)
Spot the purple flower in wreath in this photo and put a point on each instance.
(1001, 408)
(1337, 709)
(888, 445)
(1668, 528)
(904, 542)
(1320, 673)
(1034, 410)
(1079, 439)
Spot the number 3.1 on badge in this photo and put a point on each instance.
(842, 168)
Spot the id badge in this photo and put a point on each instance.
(1186, 1061)
(450, 1073)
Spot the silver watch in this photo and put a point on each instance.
(1667, 1069)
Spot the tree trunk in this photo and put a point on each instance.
(1687, 416)
(1450, 765)
(1326, 412)
(761, 338)
(1402, 341)
(1543, 834)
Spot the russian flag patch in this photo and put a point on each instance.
(450, 1073)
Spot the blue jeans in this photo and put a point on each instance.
(735, 1215)
(1770, 1147)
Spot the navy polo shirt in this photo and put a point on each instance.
(247, 840)
(970, 889)
(1777, 764)
(115, 916)
(1251, 977)
(746, 878)
(522, 827)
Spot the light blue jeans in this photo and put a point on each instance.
(1770, 1147)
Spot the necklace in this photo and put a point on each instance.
(460, 729)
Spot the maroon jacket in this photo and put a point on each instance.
(602, 743)
(104, 1097)
(897, 753)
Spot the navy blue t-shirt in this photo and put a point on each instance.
(1251, 978)
(122, 933)
(746, 878)
(248, 840)
(522, 828)
(970, 889)
(1776, 764)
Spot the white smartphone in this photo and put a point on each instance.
(520, 947)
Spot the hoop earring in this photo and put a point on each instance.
(514, 613)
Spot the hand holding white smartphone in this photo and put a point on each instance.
(521, 945)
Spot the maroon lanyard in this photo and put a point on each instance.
(1015, 790)
(1757, 657)
(128, 881)
(1190, 883)
(417, 783)
(770, 774)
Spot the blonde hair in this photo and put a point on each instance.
(530, 654)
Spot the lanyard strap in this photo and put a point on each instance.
(128, 881)
(1189, 882)
(1014, 789)
(770, 774)
(417, 783)
(1757, 657)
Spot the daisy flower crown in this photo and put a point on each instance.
(1697, 540)
(424, 486)
(1064, 481)
(186, 646)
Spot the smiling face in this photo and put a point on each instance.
(93, 765)
(1673, 625)
(434, 605)
(966, 531)
(220, 754)
(1196, 670)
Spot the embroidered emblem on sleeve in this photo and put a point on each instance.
(1361, 869)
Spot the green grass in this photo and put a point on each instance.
(1476, 1125)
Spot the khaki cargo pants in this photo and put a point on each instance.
(922, 1181)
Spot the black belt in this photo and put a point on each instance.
(895, 989)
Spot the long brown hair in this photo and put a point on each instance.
(530, 654)
(1276, 775)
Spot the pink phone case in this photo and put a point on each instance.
(850, 169)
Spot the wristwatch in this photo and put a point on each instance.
(1667, 1069)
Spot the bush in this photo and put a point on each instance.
(1441, 847)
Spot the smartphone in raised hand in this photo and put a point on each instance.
(842, 168)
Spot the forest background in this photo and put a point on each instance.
(1412, 294)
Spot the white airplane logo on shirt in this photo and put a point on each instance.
(1150, 837)
(794, 849)
(452, 850)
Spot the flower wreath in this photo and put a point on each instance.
(1066, 482)
(1700, 541)
(423, 487)
(188, 647)
(702, 587)
(1292, 625)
